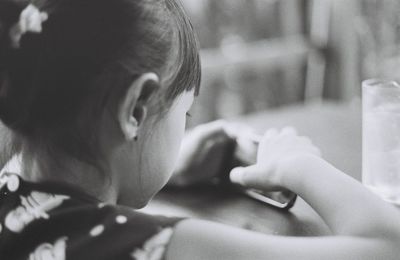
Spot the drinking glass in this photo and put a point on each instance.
(381, 138)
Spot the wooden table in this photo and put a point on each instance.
(335, 128)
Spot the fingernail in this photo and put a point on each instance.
(228, 128)
(236, 176)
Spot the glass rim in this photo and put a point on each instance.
(380, 83)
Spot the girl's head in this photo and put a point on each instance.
(104, 83)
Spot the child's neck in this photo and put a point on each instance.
(71, 172)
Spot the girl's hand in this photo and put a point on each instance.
(204, 153)
(279, 153)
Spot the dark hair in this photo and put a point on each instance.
(57, 84)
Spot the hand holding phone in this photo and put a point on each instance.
(245, 154)
(275, 149)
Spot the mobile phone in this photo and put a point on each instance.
(245, 153)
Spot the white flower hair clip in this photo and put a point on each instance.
(30, 20)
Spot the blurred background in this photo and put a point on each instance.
(259, 55)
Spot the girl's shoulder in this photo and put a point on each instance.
(38, 223)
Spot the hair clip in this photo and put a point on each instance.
(30, 20)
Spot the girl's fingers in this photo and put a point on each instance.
(289, 130)
(271, 133)
(309, 146)
(252, 176)
(211, 131)
(212, 127)
(237, 130)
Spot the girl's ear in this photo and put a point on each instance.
(133, 107)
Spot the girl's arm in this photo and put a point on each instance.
(346, 206)
(364, 227)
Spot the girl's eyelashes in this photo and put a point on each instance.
(188, 114)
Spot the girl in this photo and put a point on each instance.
(94, 95)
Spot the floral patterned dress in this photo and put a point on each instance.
(49, 221)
